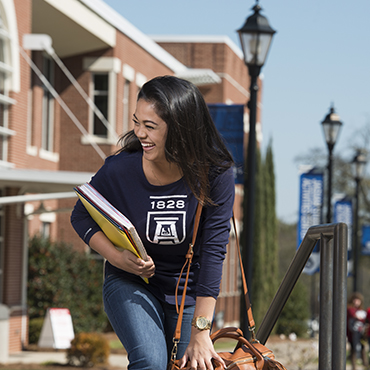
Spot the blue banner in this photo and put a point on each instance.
(229, 120)
(365, 240)
(343, 213)
(310, 212)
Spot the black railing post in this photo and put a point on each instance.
(333, 292)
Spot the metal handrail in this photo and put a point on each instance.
(333, 292)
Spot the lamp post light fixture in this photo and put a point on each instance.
(331, 126)
(359, 162)
(255, 38)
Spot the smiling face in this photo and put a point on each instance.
(151, 130)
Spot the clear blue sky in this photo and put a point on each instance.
(320, 55)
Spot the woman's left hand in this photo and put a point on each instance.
(200, 351)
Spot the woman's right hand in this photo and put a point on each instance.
(121, 258)
(127, 261)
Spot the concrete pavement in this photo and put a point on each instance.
(36, 357)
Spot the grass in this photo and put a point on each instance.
(115, 344)
(225, 345)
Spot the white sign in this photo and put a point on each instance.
(57, 330)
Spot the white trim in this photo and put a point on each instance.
(200, 77)
(209, 39)
(15, 177)
(4, 34)
(6, 68)
(122, 25)
(5, 164)
(91, 22)
(236, 84)
(50, 156)
(31, 150)
(35, 197)
(48, 217)
(4, 99)
(11, 23)
(102, 64)
(128, 72)
(88, 139)
(37, 41)
(140, 79)
(4, 131)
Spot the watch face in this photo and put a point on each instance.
(202, 322)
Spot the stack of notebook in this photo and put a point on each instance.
(117, 227)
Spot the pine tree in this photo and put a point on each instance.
(259, 255)
(265, 246)
(271, 232)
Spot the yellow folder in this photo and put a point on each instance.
(117, 236)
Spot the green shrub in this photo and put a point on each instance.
(294, 317)
(88, 349)
(34, 329)
(60, 276)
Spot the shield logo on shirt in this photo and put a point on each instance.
(166, 227)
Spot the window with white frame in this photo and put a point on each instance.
(45, 230)
(47, 139)
(5, 101)
(100, 83)
(103, 93)
(126, 105)
(129, 75)
(1, 247)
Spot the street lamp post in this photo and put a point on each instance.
(359, 162)
(331, 126)
(255, 38)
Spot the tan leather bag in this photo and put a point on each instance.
(247, 355)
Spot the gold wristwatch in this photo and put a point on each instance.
(201, 323)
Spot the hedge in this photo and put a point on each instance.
(59, 276)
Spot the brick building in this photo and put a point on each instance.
(70, 71)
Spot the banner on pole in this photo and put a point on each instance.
(310, 212)
(365, 240)
(229, 120)
(343, 213)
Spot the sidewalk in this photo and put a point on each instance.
(293, 354)
(30, 357)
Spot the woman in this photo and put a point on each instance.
(173, 159)
(356, 318)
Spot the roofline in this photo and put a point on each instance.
(42, 181)
(123, 25)
(13, 199)
(216, 39)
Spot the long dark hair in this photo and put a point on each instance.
(193, 142)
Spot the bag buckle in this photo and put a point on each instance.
(253, 334)
(174, 349)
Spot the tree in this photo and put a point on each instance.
(271, 229)
(259, 284)
(265, 246)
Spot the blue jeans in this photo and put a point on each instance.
(144, 325)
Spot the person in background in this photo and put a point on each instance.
(356, 319)
(367, 328)
(173, 159)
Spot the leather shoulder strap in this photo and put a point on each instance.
(252, 325)
(189, 257)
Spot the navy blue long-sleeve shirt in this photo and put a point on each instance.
(164, 217)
